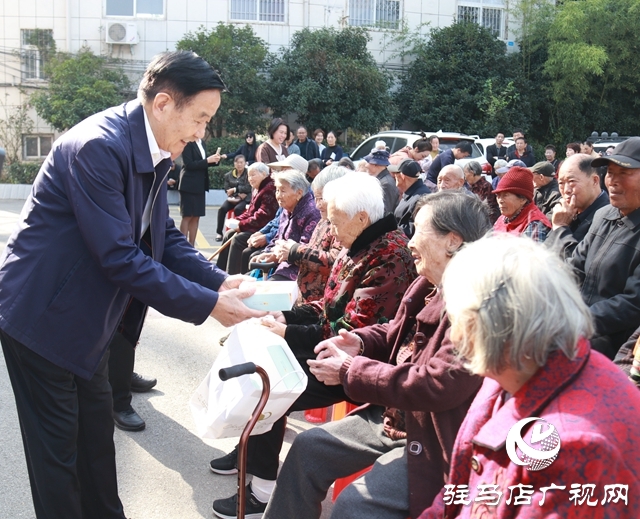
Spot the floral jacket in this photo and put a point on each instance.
(594, 409)
(366, 284)
(262, 208)
(315, 260)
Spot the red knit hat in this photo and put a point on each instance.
(517, 180)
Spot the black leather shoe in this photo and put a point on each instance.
(128, 420)
(139, 384)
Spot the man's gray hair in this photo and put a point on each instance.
(356, 192)
(296, 179)
(522, 303)
(328, 174)
(261, 167)
(453, 210)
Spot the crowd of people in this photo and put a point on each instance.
(452, 309)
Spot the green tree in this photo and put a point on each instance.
(463, 80)
(331, 81)
(80, 85)
(13, 126)
(593, 66)
(242, 59)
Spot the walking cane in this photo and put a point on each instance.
(236, 371)
(222, 247)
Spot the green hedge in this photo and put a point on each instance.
(20, 173)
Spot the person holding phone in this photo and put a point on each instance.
(193, 185)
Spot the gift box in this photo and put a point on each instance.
(273, 295)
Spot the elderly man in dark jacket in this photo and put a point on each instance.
(409, 183)
(418, 390)
(607, 261)
(582, 196)
(547, 193)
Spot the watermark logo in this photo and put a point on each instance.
(544, 448)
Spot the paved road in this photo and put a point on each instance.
(163, 471)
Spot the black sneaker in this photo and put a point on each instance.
(226, 465)
(228, 508)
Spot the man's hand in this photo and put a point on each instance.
(564, 212)
(326, 367)
(234, 282)
(230, 309)
(346, 341)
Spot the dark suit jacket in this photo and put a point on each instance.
(194, 175)
(493, 153)
(75, 259)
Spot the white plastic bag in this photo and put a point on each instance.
(222, 409)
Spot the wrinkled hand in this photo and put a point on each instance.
(326, 367)
(346, 341)
(257, 240)
(234, 282)
(230, 309)
(274, 326)
(278, 316)
(564, 212)
(282, 248)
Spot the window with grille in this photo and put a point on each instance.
(134, 7)
(36, 146)
(33, 41)
(489, 17)
(384, 14)
(260, 10)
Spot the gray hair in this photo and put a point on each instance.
(328, 174)
(455, 211)
(522, 304)
(474, 167)
(296, 179)
(261, 167)
(356, 192)
(347, 163)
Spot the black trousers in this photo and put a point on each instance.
(67, 431)
(263, 450)
(121, 360)
(238, 209)
(235, 258)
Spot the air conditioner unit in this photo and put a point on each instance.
(122, 33)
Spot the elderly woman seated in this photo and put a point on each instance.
(298, 219)
(481, 187)
(521, 323)
(261, 210)
(366, 284)
(519, 215)
(315, 258)
(409, 371)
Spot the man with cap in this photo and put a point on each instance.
(547, 193)
(377, 162)
(407, 175)
(500, 167)
(607, 261)
(582, 196)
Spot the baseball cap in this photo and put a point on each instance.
(543, 168)
(626, 155)
(408, 167)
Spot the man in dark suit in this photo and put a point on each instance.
(308, 148)
(94, 235)
(582, 196)
(496, 151)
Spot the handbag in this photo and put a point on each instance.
(222, 409)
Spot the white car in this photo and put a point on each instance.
(398, 139)
(484, 143)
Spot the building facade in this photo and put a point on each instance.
(136, 30)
